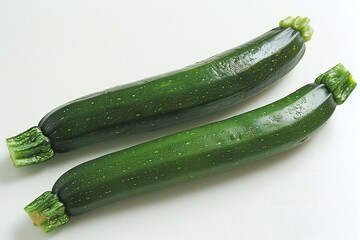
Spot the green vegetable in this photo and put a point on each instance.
(193, 153)
(161, 101)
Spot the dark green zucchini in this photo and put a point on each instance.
(168, 99)
(193, 153)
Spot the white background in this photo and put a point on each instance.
(54, 51)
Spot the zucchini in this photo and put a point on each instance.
(161, 101)
(193, 153)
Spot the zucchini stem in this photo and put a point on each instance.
(47, 212)
(29, 147)
(338, 81)
(300, 24)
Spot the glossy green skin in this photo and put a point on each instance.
(175, 97)
(196, 152)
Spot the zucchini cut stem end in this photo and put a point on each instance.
(339, 82)
(47, 212)
(300, 24)
(29, 147)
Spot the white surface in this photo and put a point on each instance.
(54, 51)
